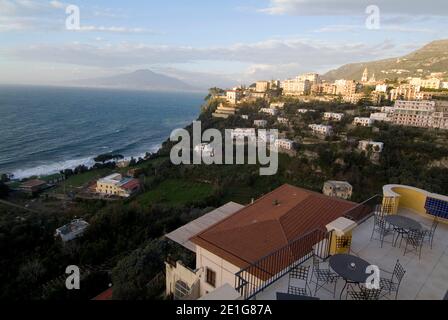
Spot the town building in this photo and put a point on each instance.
(431, 83)
(262, 86)
(367, 145)
(205, 150)
(346, 87)
(382, 88)
(283, 120)
(260, 123)
(333, 116)
(405, 92)
(245, 116)
(277, 105)
(424, 114)
(381, 116)
(33, 186)
(338, 189)
(118, 186)
(71, 231)
(269, 111)
(313, 78)
(320, 129)
(242, 134)
(303, 111)
(233, 96)
(296, 87)
(363, 122)
(285, 144)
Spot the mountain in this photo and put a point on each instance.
(431, 58)
(140, 80)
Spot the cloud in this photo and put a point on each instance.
(270, 58)
(355, 7)
(39, 15)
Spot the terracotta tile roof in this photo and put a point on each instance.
(104, 296)
(270, 223)
(132, 184)
(33, 183)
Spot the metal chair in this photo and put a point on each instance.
(381, 228)
(393, 284)
(363, 294)
(299, 273)
(429, 235)
(323, 277)
(414, 241)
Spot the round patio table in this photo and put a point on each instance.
(350, 268)
(403, 223)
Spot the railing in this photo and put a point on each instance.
(255, 278)
(365, 210)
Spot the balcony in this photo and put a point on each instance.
(425, 278)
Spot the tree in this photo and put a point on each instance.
(4, 190)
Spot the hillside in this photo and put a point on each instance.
(431, 58)
(140, 80)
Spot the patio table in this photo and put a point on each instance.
(402, 225)
(350, 268)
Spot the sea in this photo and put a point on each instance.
(47, 129)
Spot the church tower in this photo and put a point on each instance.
(365, 76)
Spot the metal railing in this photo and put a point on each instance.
(256, 277)
(253, 279)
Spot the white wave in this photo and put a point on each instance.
(56, 167)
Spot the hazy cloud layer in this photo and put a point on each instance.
(356, 7)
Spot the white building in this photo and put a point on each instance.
(296, 87)
(241, 134)
(321, 129)
(363, 122)
(365, 145)
(245, 116)
(71, 231)
(204, 149)
(260, 123)
(303, 111)
(381, 116)
(266, 136)
(382, 88)
(233, 96)
(284, 144)
(262, 86)
(277, 105)
(283, 120)
(333, 116)
(272, 112)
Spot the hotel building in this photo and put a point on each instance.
(117, 185)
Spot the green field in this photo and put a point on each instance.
(176, 192)
(80, 180)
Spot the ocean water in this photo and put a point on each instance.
(46, 129)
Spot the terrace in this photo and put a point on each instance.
(425, 278)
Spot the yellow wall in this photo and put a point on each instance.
(410, 198)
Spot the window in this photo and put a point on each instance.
(211, 277)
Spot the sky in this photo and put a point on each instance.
(207, 42)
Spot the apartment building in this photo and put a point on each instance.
(313, 78)
(262, 86)
(381, 116)
(320, 129)
(405, 92)
(283, 120)
(233, 96)
(382, 87)
(363, 122)
(225, 111)
(346, 87)
(424, 114)
(333, 116)
(117, 185)
(338, 189)
(296, 87)
(303, 111)
(285, 144)
(270, 111)
(260, 123)
(277, 105)
(432, 83)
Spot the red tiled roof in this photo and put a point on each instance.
(131, 185)
(104, 296)
(270, 223)
(33, 183)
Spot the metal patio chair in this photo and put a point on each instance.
(363, 293)
(430, 233)
(299, 274)
(382, 229)
(323, 276)
(414, 242)
(392, 284)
